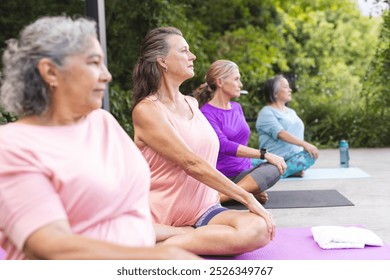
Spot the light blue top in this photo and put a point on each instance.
(270, 122)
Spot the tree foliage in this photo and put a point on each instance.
(371, 126)
(336, 59)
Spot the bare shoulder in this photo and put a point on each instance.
(142, 106)
(191, 99)
(144, 110)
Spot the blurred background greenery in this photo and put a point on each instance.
(337, 60)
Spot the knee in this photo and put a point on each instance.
(273, 176)
(255, 234)
(259, 233)
(274, 172)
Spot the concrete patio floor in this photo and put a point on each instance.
(371, 196)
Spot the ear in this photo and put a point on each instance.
(218, 82)
(48, 71)
(161, 62)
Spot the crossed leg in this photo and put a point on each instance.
(230, 232)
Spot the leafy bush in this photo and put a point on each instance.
(120, 108)
(5, 117)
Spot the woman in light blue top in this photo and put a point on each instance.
(281, 131)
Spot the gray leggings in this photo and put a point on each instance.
(265, 174)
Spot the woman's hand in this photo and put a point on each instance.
(255, 207)
(277, 161)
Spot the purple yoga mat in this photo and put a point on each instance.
(298, 244)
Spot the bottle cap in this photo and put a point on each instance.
(343, 143)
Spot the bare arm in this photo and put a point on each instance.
(151, 128)
(244, 151)
(56, 241)
(287, 137)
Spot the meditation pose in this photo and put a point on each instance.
(281, 131)
(227, 118)
(181, 148)
(73, 185)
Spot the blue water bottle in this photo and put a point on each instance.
(344, 154)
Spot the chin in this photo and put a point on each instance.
(100, 106)
(96, 105)
(186, 77)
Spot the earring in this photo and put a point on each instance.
(52, 86)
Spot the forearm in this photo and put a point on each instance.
(248, 152)
(74, 247)
(56, 241)
(202, 171)
(287, 137)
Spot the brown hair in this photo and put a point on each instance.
(146, 73)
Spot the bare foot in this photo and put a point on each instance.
(298, 174)
(262, 197)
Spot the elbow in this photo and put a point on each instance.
(39, 254)
(193, 167)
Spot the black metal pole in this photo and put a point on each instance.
(95, 9)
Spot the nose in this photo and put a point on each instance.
(105, 74)
(192, 56)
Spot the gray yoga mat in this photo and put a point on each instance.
(299, 199)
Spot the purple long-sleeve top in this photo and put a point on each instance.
(232, 130)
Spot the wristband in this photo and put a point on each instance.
(263, 151)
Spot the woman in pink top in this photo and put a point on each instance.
(181, 148)
(72, 183)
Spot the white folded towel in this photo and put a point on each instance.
(339, 237)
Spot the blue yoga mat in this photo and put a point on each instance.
(331, 173)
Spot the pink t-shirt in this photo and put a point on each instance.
(176, 198)
(90, 174)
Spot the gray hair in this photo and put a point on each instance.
(23, 91)
(272, 87)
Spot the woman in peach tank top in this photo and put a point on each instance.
(182, 148)
(170, 202)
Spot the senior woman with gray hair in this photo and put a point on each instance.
(73, 185)
(282, 131)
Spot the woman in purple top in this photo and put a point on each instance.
(227, 118)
